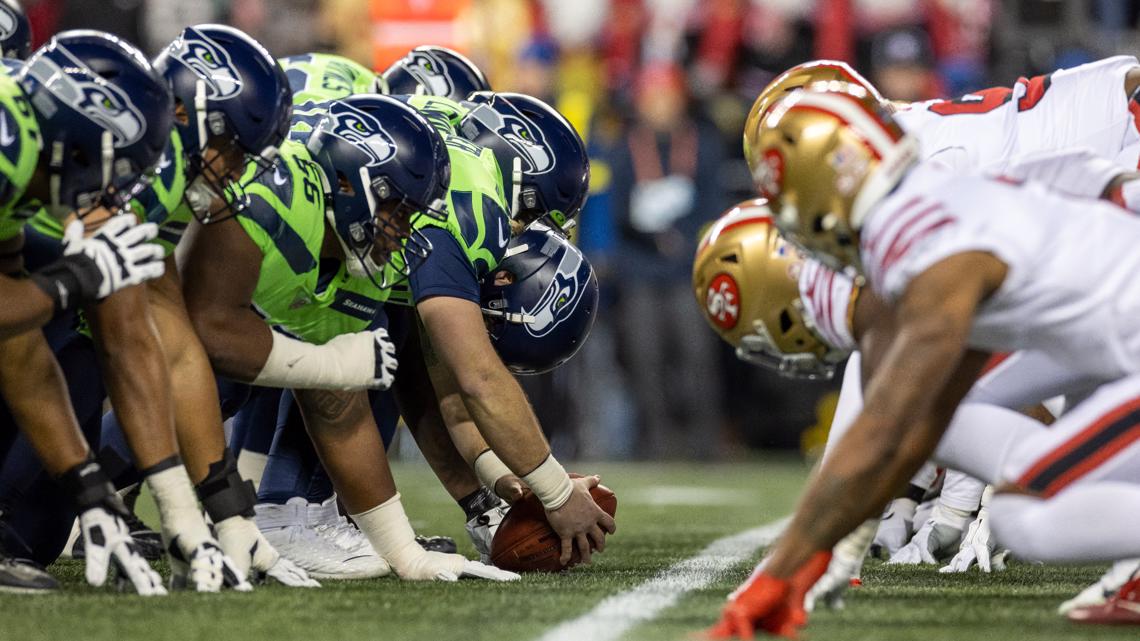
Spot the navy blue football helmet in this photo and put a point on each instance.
(435, 71)
(540, 154)
(15, 31)
(540, 302)
(237, 101)
(384, 166)
(104, 114)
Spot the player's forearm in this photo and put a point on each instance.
(237, 341)
(28, 307)
(136, 374)
(34, 389)
(506, 421)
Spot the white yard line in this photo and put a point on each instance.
(616, 615)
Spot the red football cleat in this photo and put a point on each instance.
(856, 582)
(1121, 609)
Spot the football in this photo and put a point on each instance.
(525, 542)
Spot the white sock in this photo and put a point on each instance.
(961, 491)
(251, 465)
(178, 508)
(1095, 522)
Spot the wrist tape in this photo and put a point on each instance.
(489, 468)
(347, 362)
(550, 483)
(223, 492)
(70, 282)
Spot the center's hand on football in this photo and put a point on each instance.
(580, 521)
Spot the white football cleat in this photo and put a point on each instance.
(287, 529)
(329, 524)
(482, 529)
(1100, 592)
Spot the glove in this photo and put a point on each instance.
(205, 569)
(252, 555)
(770, 604)
(107, 540)
(120, 250)
(437, 566)
(978, 546)
(932, 540)
(385, 360)
(895, 527)
(482, 529)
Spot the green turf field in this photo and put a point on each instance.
(665, 514)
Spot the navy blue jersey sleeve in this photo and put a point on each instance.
(446, 271)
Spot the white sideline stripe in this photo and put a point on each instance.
(617, 614)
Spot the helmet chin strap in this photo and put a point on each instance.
(516, 186)
(200, 113)
(56, 180)
(511, 317)
(107, 153)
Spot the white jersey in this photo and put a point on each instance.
(827, 298)
(1070, 291)
(1080, 107)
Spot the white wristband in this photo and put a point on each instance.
(347, 362)
(489, 468)
(390, 533)
(550, 483)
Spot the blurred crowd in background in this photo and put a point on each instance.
(659, 90)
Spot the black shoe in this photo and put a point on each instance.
(20, 576)
(148, 542)
(444, 544)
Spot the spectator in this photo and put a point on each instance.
(902, 65)
(666, 184)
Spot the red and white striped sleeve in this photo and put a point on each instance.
(827, 299)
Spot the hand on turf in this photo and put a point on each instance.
(205, 569)
(978, 546)
(438, 566)
(581, 522)
(108, 544)
(770, 604)
(252, 555)
(828, 591)
(932, 540)
(895, 528)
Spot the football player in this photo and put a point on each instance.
(432, 70)
(15, 31)
(75, 153)
(958, 283)
(313, 254)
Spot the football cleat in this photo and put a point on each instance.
(289, 530)
(1105, 588)
(482, 529)
(21, 576)
(1121, 609)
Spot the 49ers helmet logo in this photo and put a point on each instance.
(722, 301)
(769, 173)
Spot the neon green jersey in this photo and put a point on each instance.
(317, 78)
(20, 143)
(297, 292)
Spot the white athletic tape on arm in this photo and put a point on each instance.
(550, 483)
(489, 468)
(347, 362)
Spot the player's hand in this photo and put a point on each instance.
(510, 488)
(121, 251)
(978, 546)
(828, 591)
(205, 569)
(932, 540)
(253, 556)
(437, 566)
(581, 522)
(770, 604)
(895, 527)
(385, 360)
(108, 545)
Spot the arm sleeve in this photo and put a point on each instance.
(446, 271)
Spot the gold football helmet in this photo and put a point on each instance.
(798, 77)
(745, 281)
(826, 155)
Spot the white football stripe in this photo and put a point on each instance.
(617, 614)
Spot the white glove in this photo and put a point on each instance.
(206, 569)
(252, 555)
(107, 540)
(846, 563)
(437, 566)
(385, 360)
(978, 546)
(121, 249)
(482, 529)
(933, 539)
(896, 525)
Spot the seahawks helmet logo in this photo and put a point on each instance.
(520, 132)
(8, 22)
(430, 72)
(209, 61)
(560, 298)
(76, 85)
(362, 130)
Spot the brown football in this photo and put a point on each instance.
(525, 542)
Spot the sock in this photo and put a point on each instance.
(1094, 522)
(178, 506)
(251, 466)
(320, 485)
(961, 492)
(291, 462)
(478, 502)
